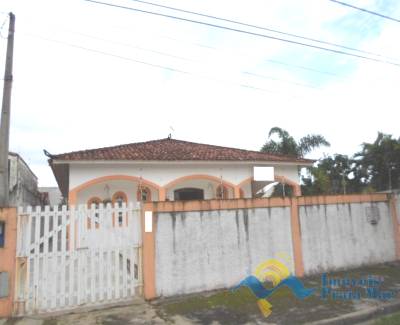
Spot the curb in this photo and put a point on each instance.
(360, 316)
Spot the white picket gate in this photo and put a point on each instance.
(79, 256)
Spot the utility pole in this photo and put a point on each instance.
(344, 183)
(5, 116)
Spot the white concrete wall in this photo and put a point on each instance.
(340, 236)
(162, 174)
(197, 251)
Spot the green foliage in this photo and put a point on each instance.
(282, 191)
(332, 175)
(393, 319)
(375, 168)
(287, 145)
(378, 163)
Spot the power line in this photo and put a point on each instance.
(243, 85)
(201, 45)
(260, 27)
(133, 46)
(110, 54)
(302, 67)
(278, 79)
(150, 64)
(246, 32)
(277, 62)
(365, 10)
(198, 45)
(264, 60)
(2, 26)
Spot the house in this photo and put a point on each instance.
(51, 195)
(23, 183)
(167, 169)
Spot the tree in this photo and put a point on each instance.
(377, 165)
(332, 175)
(288, 145)
(375, 168)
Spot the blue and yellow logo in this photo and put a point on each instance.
(276, 272)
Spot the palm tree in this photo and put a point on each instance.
(288, 145)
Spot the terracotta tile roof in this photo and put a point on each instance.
(174, 150)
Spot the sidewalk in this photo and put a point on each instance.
(227, 307)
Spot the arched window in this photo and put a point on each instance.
(143, 194)
(94, 203)
(221, 192)
(118, 199)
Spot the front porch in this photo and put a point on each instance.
(122, 188)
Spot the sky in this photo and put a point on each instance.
(88, 75)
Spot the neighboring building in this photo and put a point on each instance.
(23, 183)
(167, 169)
(51, 195)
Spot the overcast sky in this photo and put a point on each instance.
(88, 75)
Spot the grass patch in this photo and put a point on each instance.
(241, 298)
(232, 306)
(393, 319)
(50, 321)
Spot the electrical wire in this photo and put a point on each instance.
(246, 32)
(133, 46)
(198, 45)
(2, 26)
(261, 27)
(264, 60)
(278, 79)
(365, 10)
(109, 54)
(152, 64)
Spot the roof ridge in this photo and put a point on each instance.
(246, 150)
(133, 152)
(107, 147)
(177, 140)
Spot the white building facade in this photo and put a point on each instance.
(173, 170)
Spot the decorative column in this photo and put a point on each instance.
(395, 221)
(148, 249)
(237, 192)
(296, 238)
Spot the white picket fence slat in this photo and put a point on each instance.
(78, 256)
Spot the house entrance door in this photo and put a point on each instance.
(184, 194)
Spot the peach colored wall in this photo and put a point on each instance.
(296, 238)
(8, 257)
(148, 248)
